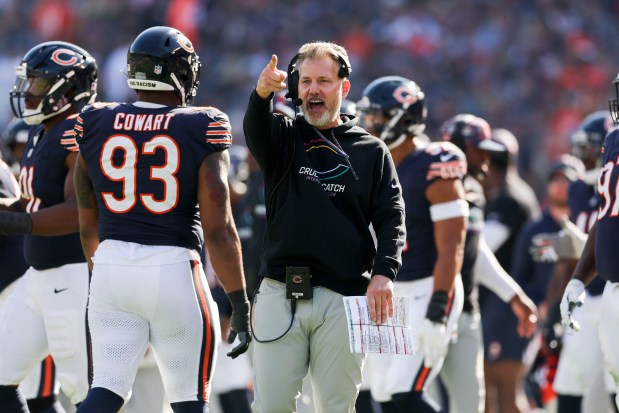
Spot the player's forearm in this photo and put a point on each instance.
(224, 251)
(448, 265)
(60, 219)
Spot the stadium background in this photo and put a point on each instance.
(534, 67)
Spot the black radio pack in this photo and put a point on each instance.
(298, 283)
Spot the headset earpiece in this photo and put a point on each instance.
(293, 79)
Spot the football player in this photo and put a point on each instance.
(152, 185)
(463, 368)
(510, 203)
(577, 370)
(599, 255)
(46, 312)
(393, 109)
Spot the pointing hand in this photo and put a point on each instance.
(271, 79)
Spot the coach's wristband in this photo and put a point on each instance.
(15, 223)
(437, 308)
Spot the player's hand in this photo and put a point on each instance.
(271, 79)
(526, 312)
(380, 298)
(573, 296)
(239, 323)
(432, 342)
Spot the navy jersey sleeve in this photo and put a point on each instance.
(447, 162)
(218, 131)
(436, 161)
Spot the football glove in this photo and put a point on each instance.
(239, 323)
(573, 296)
(432, 342)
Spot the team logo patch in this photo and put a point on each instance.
(404, 94)
(184, 42)
(65, 57)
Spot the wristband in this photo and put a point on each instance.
(437, 308)
(239, 301)
(15, 223)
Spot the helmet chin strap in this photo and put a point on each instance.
(397, 142)
(179, 87)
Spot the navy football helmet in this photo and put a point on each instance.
(391, 108)
(469, 130)
(473, 136)
(588, 139)
(60, 74)
(163, 58)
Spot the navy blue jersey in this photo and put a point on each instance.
(42, 180)
(143, 161)
(607, 239)
(437, 160)
(533, 276)
(583, 203)
(477, 202)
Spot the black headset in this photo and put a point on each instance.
(293, 76)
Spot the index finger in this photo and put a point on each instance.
(273, 62)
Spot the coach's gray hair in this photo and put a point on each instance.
(319, 49)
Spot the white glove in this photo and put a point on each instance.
(573, 296)
(432, 342)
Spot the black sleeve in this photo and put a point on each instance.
(388, 220)
(257, 126)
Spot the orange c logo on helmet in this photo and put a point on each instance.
(404, 94)
(60, 57)
(297, 279)
(184, 42)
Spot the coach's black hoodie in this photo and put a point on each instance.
(323, 190)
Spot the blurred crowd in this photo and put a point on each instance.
(533, 67)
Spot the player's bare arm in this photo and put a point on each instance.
(59, 219)
(223, 244)
(449, 234)
(220, 236)
(87, 207)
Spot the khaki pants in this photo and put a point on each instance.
(317, 340)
